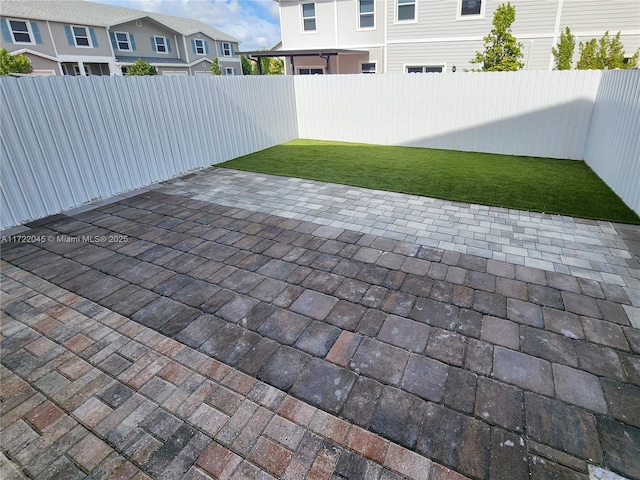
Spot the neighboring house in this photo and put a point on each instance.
(76, 37)
(394, 36)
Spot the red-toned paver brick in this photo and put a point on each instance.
(324, 464)
(296, 411)
(78, 343)
(285, 432)
(147, 373)
(239, 382)
(216, 460)
(368, 444)
(40, 346)
(330, 427)
(44, 415)
(130, 329)
(92, 412)
(407, 463)
(213, 369)
(169, 347)
(174, 373)
(439, 472)
(270, 456)
(89, 452)
(208, 419)
(344, 349)
(74, 368)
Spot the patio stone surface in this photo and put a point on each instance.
(239, 325)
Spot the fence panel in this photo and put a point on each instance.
(533, 113)
(67, 140)
(613, 147)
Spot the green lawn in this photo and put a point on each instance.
(526, 183)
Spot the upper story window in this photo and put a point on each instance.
(308, 17)
(199, 46)
(20, 31)
(81, 36)
(406, 10)
(161, 44)
(470, 8)
(226, 49)
(123, 41)
(366, 11)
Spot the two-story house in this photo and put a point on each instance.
(77, 37)
(406, 36)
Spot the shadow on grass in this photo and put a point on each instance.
(563, 187)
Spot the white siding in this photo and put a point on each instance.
(537, 113)
(65, 141)
(294, 38)
(613, 148)
(601, 15)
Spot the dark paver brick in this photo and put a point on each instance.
(479, 357)
(460, 391)
(313, 304)
(324, 385)
(604, 333)
(318, 338)
(579, 388)
(508, 456)
(283, 326)
(158, 312)
(564, 282)
(621, 445)
(230, 343)
(501, 332)
(255, 358)
(590, 288)
(565, 323)
(622, 401)
(362, 401)
(283, 367)
(404, 333)
(545, 296)
(268, 289)
(196, 293)
(562, 426)
(435, 313)
(425, 378)
(500, 404)
(480, 281)
(446, 346)
(398, 417)
(490, 303)
(600, 360)
(237, 309)
(346, 315)
(581, 304)
(242, 281)
(398, 303)
(442, 428)
(525, 371)
(510, 288)
(374, 296)
(172, 285)
(525, 313)
(351, 290)
(322, 282)
(531, 275)
(613, 312)
(380, 361)
(547, 345)
(199, 330)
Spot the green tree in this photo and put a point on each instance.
(563, 55)
(607, 52)
(140, 67)
(247, 65)
(276, 66)
(13, 63)
(216, 69)
(502, 52)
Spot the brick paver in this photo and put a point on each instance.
(225, 340)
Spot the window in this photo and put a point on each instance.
(229, 71)
(20, 31)
(426, 69)
(310, 71)
(161, 44)
(198, 45)
(81, 36)
(366, 9)
(123, 41)
(226, 49)
(308, 17)
(470, 8)
(368, 67)
(406, 10)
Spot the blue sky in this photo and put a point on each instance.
(254, 22)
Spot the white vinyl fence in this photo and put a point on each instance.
(532, 113)
(67, 140)
(613, 148)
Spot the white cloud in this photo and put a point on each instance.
(254, 22)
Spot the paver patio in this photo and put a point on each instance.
(236, 325)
